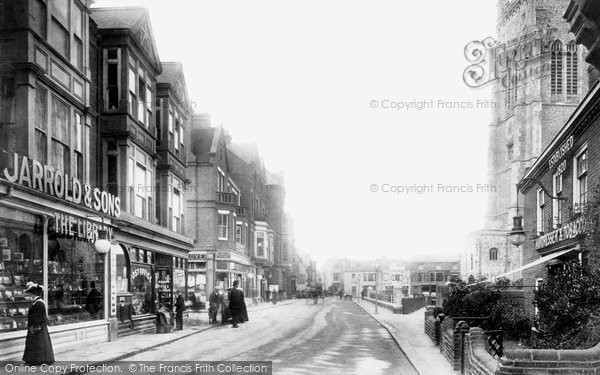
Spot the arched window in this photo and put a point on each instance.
(493, 253)
(556, 68)
(572, 68)
(511, 83)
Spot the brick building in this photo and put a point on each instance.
(535, 92)
(78, 155)
(568, 169)
(247, 168)
(214, 215)
(425, 276)
(150, 249)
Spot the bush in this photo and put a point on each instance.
(485, 299)
(569, 308)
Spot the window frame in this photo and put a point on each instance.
(223, 226)
(541, 201)
(578, 205)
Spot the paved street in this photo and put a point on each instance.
(300, 338)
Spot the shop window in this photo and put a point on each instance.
(76, 281)
(21, 244)
(122, 271)
(142, 299)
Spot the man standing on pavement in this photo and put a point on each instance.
(179, 307)
(216, 304)
(236, 303)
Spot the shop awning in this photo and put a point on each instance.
(537, 262)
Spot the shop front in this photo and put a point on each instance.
(230, 267)
(197, 287)
(47, 235)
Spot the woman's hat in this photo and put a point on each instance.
(31, 286)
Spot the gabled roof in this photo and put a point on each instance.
(134, 19)
(172, 73)
(118, 17)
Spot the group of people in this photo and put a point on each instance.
(236, 308)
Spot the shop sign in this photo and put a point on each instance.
(567, 231)
(73, 226)
(560, 152)
(223, 255)
(164, 285)
(141, 272)
(197, 256)
(47, 180)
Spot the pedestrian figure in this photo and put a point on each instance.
(236, 303)
(216, 304)
(38, 347)
(363, 293)
(341, 294)
(244, 311)
(179, 308)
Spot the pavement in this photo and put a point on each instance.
(125, 347)
(407, 331)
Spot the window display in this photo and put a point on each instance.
(75, 281)
(21, 245)
(142, 299)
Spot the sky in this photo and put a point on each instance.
(362, 104)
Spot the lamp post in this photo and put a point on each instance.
(376, 266)
(517, 235)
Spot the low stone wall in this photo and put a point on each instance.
(396, 309)
(477, 360)
(410, 305)
(549, 361)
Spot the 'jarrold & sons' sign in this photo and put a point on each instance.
(567, 231)
(59, 184)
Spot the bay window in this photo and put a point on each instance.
(140, 172)
(41, 124)
(60, 147)
(112, 79)
(140, 93)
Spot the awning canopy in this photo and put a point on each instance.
(537, 262)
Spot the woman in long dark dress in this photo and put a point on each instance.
(38, 347)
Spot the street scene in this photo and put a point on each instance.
(315, 187)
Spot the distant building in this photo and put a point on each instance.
(425, 276)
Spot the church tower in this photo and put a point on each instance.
(541, 77)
